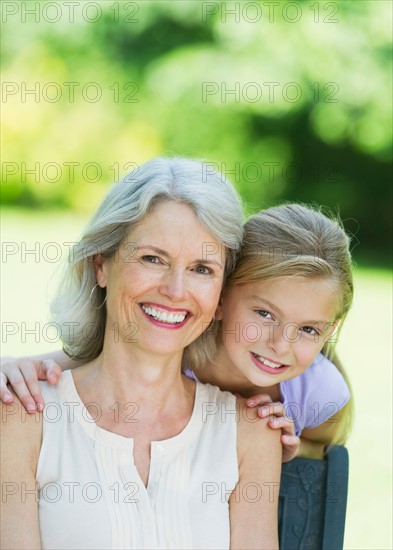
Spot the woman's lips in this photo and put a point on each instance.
(264, 364)
(167, 308)
(164, 316)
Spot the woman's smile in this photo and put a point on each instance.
(164, 316)
(168, 285)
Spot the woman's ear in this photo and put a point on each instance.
(100, 269)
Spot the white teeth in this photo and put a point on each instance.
(163, 316)
(268, 363)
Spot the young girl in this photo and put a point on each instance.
(273, 334)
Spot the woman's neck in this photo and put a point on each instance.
(222, 372)
(122, 374)
(138, 396)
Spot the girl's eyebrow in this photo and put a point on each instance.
(266, 302)
(167, 255)
(327, 324)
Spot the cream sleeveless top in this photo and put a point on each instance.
(90, 493)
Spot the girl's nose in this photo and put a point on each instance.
(281, 339)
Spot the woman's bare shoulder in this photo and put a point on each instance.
(253, 505)
(254, 432)
(21, 436)
(21, 432)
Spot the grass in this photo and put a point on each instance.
(366, 350)
(365, 347)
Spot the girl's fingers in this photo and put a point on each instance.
(290, 441)
(22, 377)
(269, 409)
(286, 424)
(18, 383)
(257, 400)
(291, 446)
(49, 370)
(30, 369)
(5, 395)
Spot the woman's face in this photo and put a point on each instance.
(273, 330)
(164, 283)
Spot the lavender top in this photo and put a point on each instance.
(314, 396)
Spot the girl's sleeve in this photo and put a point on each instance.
(316, 395)
(190, 374)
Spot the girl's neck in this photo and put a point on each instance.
(222, 373)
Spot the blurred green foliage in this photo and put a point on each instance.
(291, 100)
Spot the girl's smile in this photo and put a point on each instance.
(267, 365)
(281, 326)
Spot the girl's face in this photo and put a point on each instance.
(273, 330)
(164, 283)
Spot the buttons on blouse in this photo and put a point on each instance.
(159, 448)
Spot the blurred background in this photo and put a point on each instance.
(290, 100)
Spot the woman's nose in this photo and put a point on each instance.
(174, 285)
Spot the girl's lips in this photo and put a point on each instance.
(265, 368)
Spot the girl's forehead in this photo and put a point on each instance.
(311, 294)
(277, 283)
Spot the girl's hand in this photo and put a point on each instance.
(278, 420)
(22, 375)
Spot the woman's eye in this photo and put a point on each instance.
(203, 270)
(265, 314)
(151, 259)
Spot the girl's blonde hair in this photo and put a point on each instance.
(297, 240)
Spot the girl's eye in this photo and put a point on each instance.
(203, 270)
(310, 330)
(265, 314)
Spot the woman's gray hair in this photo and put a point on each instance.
(79, 311)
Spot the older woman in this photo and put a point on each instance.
(131, 453)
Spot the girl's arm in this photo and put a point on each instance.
(21, 436)
(23, 373)
(325, 434)
(253, 505)
(312, 442)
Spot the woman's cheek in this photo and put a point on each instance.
(210, 292)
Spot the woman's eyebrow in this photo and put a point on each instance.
(167, 255)
(154, 248)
